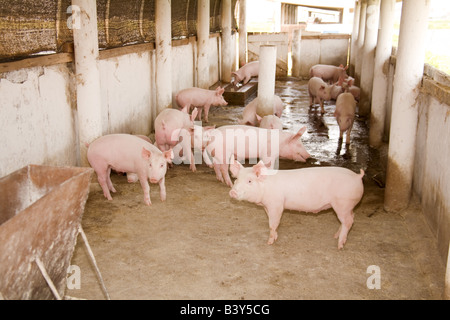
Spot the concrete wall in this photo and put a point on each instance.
(322, 49)
(38, 118)
(431, 179)
(38, 123)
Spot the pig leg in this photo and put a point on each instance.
(109, 182)
(345, 216)
(225, 174)
(206, 112)
(192, 164)
(274, 213)
(146, 188)
(322, 109)
(218, 172)
(347, 138)
(103, 172)
(162, 189)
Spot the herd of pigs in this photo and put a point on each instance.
(310, 189)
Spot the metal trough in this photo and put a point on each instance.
(40, 215)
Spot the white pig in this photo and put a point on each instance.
(271, 122)
(345, 114)
(200, 98)
(328, 73)
(247, 142)
(319, 92)
(309, 189)
(170, 125)
(131, 154)
(245, 73)
(249, 116)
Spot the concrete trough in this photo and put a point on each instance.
(40, 214)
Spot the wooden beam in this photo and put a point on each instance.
(40, 61)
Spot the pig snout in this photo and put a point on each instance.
(233, 193)
(154, 180)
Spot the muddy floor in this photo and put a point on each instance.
(201, 244)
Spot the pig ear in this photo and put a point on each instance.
(185, 109)
(194, 114)
(146, 154)
(299, 133)
(258, 117)
(260, 169)
(350, 82)
(220, 91)
(341, 65)
(168, 155)
(235, 167)
(346, 67)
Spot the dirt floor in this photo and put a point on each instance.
(201, 244)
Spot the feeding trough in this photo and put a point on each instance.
(40, 216)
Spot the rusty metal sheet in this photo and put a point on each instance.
(40, 213)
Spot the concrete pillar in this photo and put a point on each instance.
(381, 72)
(227, 46)
(85, 36)
(242, 32)
(296, 52)
(407, 81)
(360, 42)
(368, 56)
(163, 46)
(353, 49)
(266, 79)
(202, 44)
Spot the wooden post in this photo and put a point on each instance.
(202, 44)
(296, 52)
(360, 42)
(353, 50)
(85, 36)
(226, 41)
(368, 55)
(266, 79)
(242, 32)
(407, 81)
(163, 46)
(381, 72)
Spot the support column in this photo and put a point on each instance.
(407, 81)
(353, 49)
(296, 52)
(87, 75)
(368, 55)
(381, 72)
(163, 46)
(226, 41)
(360, 42)
(266, 79)
(242, 32)
(203, 44)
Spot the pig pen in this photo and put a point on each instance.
(201, 244)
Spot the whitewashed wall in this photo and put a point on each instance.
(38, 122)
(431, 179)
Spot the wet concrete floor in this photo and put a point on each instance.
(201, 244)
